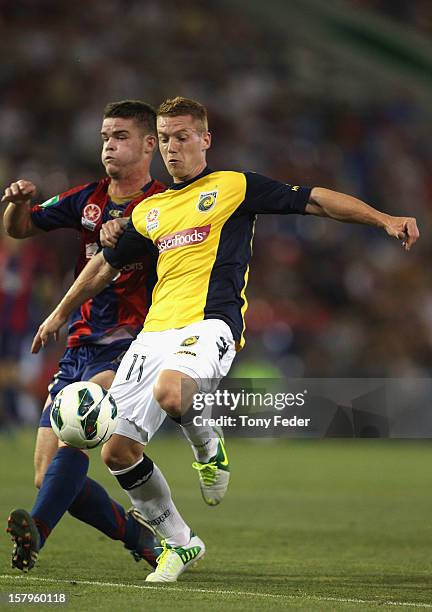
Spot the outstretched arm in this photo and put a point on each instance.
(342, 207)
(96, 275)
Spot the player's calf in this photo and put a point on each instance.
(147, 545)
(45, 450)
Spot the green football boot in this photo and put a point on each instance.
(215, 474)
(174, 560)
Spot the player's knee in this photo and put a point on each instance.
(120, 456)
(113, 458)
(168, 398)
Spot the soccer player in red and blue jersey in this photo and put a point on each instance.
(100, 331)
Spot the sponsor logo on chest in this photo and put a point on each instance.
(187, 237)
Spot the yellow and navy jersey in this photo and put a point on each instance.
(203, 230)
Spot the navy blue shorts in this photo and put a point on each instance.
(82, 363)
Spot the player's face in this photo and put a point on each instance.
(183, 146)
(124, 146)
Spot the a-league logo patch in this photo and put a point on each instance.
(207, 200)
(152, 219)
(189, 341)
(50, 202)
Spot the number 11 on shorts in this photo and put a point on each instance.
(141, 359)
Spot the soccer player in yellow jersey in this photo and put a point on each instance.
(202, 227)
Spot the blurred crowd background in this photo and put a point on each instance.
(335, 94)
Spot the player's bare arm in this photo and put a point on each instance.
(94, 277)
(327, 203)
(112, 230)
(17, 220)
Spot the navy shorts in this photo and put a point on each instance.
(82, 363)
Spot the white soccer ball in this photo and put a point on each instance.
(83, 415)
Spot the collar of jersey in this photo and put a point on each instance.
(133, 196)
(206, 171)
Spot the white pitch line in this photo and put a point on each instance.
(72, 582)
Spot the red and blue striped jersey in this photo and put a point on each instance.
(118, 312)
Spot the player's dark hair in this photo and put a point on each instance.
(174, 107)
(144, 114)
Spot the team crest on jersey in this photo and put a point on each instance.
(189, 341)
(207, 200)
(90, 216)
(152, 219)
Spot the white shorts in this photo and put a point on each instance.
(204, 351)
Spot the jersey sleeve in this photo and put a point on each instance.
(63, 210)
(267, 196)
(130, 248)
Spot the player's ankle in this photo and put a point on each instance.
(206, 451)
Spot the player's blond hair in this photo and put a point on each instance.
(175, 107)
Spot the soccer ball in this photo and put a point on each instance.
(83, 415)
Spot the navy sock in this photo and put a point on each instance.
(63, 480)
(94, 506)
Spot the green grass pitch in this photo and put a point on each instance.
(308, 525)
